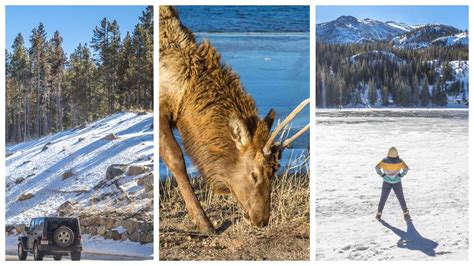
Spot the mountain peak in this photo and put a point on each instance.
(347, 19)
(348, 29)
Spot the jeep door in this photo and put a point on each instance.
(31, 233)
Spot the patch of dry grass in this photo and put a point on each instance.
(285, 238)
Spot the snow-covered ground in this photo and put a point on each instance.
(36, 167)
(434, 143)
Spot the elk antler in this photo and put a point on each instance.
(287, 142)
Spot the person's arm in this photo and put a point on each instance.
(405, 169)
(378, 169)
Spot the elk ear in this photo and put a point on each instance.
(269, 119)
(239, 133)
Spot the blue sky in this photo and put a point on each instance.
(75, 23)
(456, 16)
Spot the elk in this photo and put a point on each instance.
(232, 147)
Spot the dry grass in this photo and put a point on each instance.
(285, 238)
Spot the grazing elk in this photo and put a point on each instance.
(222, 133)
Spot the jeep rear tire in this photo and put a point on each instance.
(37, 255)
(57, 257)
(22, 254)
(63, 236)
(75, 255)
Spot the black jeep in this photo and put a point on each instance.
(57, 236)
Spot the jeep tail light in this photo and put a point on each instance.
(78, 237)
(44, 237)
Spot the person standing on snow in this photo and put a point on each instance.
(392, 169)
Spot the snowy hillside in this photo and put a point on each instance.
(348, 29)
(100, 172)
(457, 39)
(428, 35)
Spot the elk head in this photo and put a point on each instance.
(259, 155)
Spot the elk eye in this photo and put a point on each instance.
(254, 177)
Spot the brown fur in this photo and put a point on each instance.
(205, 101)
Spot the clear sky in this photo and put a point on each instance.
(456, 16)
(75, 23)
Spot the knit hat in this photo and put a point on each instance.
(392, 152)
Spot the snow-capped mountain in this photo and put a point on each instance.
(348, 29)
(426, 36)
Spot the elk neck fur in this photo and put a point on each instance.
(203, 96)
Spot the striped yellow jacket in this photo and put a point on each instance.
(391, 168)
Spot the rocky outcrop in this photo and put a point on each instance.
(117, 229)
(9, 230)
(20, 228)
(147, 182)
(66, 209)
(25, 196)
(134, 170)
(115, 170)
(19, 180)
(46, 146)
(67, 174)
(110, 136)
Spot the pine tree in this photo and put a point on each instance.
(126, 72)
(20, 75)
(143, 43)
(425, 96)
(447, 72)
(443, 97)
(57, 60)
(385, 93)
(40, 71)
(415, 91)
(439, 93)
(81, 74)
(405, 94)
(114, 52)
(372, 92)
(101, 44)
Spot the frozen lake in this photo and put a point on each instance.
(434, 144)
(274, 68)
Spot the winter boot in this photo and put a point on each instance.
(407, 216)
(378, 216)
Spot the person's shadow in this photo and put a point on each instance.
(412, 240)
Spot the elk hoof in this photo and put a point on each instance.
(206, 227)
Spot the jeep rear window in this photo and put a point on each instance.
(54, 224)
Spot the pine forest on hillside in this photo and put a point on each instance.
(48, 91)
(367, 74)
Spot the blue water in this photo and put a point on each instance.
(272, 65)
(245, 18)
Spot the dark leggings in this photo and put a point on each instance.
(398, 189)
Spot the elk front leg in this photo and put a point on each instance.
(172, 156)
